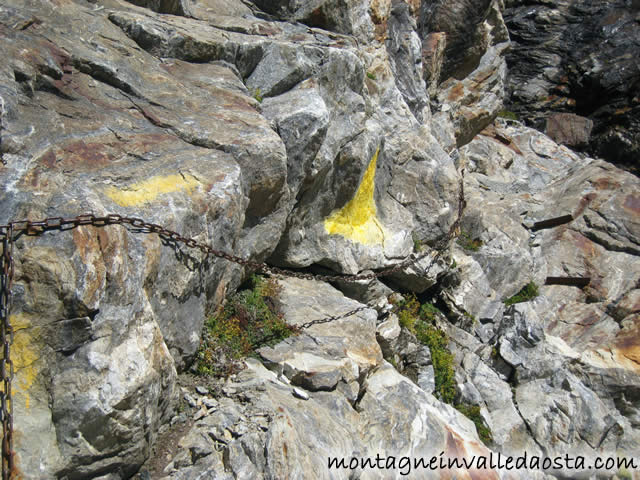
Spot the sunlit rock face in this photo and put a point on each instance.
(328, 136)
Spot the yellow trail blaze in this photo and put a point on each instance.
(24, 357)
(148, 190)
(357, 220)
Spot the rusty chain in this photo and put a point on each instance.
(6, 366)
(10, 231)
(440, 249)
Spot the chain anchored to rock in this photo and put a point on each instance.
(6, 366)
(12, 230)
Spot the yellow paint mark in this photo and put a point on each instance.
(148, 190)
(24, 357)
(357, 220)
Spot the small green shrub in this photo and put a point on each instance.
(257, 94)
(495, 352)
(417, 243)
(250, 319)
(420, 320)
(441, 358)
(508, 115)
(371, 75)
(428, 311)
(468, 243)
(472, 412)
(408, 312)
(527, 293)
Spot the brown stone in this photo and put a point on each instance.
(569, 129)
(433, 48)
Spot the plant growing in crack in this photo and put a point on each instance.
(421, 321)
(528, 292)
(466, 241)
(250, 319)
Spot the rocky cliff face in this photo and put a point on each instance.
(329, 136)
(580, 58)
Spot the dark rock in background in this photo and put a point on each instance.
(582, 58)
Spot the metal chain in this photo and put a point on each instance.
(10, 231)
(440, 249)
(6, 366)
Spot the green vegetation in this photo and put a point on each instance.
(250, 319)
(470, 316)
(624, 474)
(472, 412)
(420, 320)
(257, 94)
(371, 75)
(468, 243)
(508, 115)
(527, 293)
(417, 243)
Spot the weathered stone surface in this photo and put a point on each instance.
(311, 148)
(578, 57)
(393, 417)
(301, 119)
(202, 10)
(433, 50)
(525, 178)
(474, 101)
(329, 353)
(106, 127)
(464, 45)
(569, 129)
(470, 28)
(343, 16)
(405, 52)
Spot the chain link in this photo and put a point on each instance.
(440, 249)
(6, 365)
(10, 231)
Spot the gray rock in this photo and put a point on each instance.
(524, 177)
(405, 53)
(350, 16)
(433, 51)
(427, 379)
(471, 28)
(474, 101)
(301, 119)
(366, 291)
(190, 400)
(154, 112)
(327, 353)
(280, 69)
